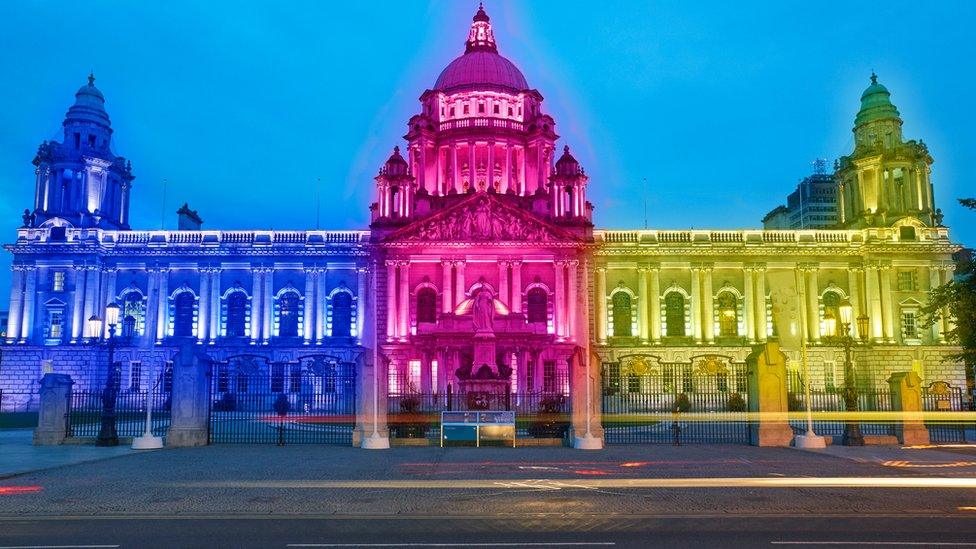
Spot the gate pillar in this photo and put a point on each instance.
(906, 397)
(371, 431)
(767, 396)
(52, 417)
(189, 415)
(585, 400)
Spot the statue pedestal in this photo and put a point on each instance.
(484, 354)
(484, 394)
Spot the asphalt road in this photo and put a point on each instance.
(770, 531)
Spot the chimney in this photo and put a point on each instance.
(189, 220)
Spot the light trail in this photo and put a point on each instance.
(598, 483)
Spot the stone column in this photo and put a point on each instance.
(91, 308)
(29, 305)
(321, 302)
(203, 309)
(654, 299)
(371, 403)
(935, 280)
(854, 274)
(873, 301)
(813, 303)
(404, 310)
(267, 308)
(600, 305)
(455, 175)
(15, 314)
(162, 315)
(52, 415)
(108, 295)
(491, 165)
(948, 323)
(887, 303)
(310, 304)
(761, 320)
(709, 309)
(642, 303)
(767, 396)
(447, 299)
(906, 398)
(214, 303)
(572, 268)
(503, 292)
(152, 306)
(391, 300)
(559, 301)
(507, 176)
(189, 413)
(256, 302)
(696, 324)
(516, 285)
(749, 303)
(461, 292)
(584, 375)
(361, 275)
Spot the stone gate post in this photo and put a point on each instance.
(906, 397)
(190, 401)
(586, 431)
(767, 396)
(52, 417)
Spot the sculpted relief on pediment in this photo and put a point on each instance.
(481, 221)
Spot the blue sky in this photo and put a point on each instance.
(241, 105)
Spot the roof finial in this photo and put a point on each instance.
(874, 78)
(91, 78)
(566, 149)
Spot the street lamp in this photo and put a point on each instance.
(107, 434)
(852, 427)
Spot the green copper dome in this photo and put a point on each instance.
(875, 104)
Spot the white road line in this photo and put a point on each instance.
(885, 543)
(486, 544)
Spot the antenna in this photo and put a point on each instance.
(162, 213)
(645, 202)
(318, 200)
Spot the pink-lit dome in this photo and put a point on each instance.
(481, 67)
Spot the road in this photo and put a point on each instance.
(767, 531)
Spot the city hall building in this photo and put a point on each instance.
(480, 283)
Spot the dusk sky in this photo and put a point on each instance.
(721, 106)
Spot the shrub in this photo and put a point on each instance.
(226, 403)
(681, 403)
(792, 402)
(736, 403)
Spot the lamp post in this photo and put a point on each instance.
(107, 434)
(852, 427)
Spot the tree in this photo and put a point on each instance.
(957, 298)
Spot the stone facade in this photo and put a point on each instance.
(482, 263)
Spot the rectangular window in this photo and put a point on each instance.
(511, 112)
(57, 282)
(465, 109)
(57, 324)
(433, 374)
(135, 375)
(549, 376)
(453, 111)
(906, 281)
(295, 379)
(909, 325)
(830, 375)
(481, 108)
(496, 109)
(413, 374)
(277, 378)
(393, 380)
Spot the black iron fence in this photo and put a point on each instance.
(940, 398)
(869, 400)
(85, 413)
(649, 402)
(416, 415)
(19, 402)
(311, 403)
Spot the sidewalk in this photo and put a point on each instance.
(951, 460)
(19, 455)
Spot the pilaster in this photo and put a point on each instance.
(600, 304)
(642, 304)
(654, 300)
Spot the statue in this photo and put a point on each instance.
(482, 221)
(28, 218)
(483, 311)
(937, 217)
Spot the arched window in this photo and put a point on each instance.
(426, 305)
(831, 314)
(289, 308)
(538, 304)
(728, 314)
(133, 314)
(237, 314)
(621, 315)
(183, 314)
(674, 313)
(342, 314)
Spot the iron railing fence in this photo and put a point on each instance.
(19, 401)
(85, 413)
(869, 400)
(940, 397)
(416, 414)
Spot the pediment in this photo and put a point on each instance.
(482, 218)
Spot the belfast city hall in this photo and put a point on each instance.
(481, 283)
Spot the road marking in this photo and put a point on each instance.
(885, 543)
(485, 544)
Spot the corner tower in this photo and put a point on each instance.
(885, 181)
(80, 180)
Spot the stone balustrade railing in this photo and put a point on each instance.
(482, 122)
(188, 238)
(758, 237)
